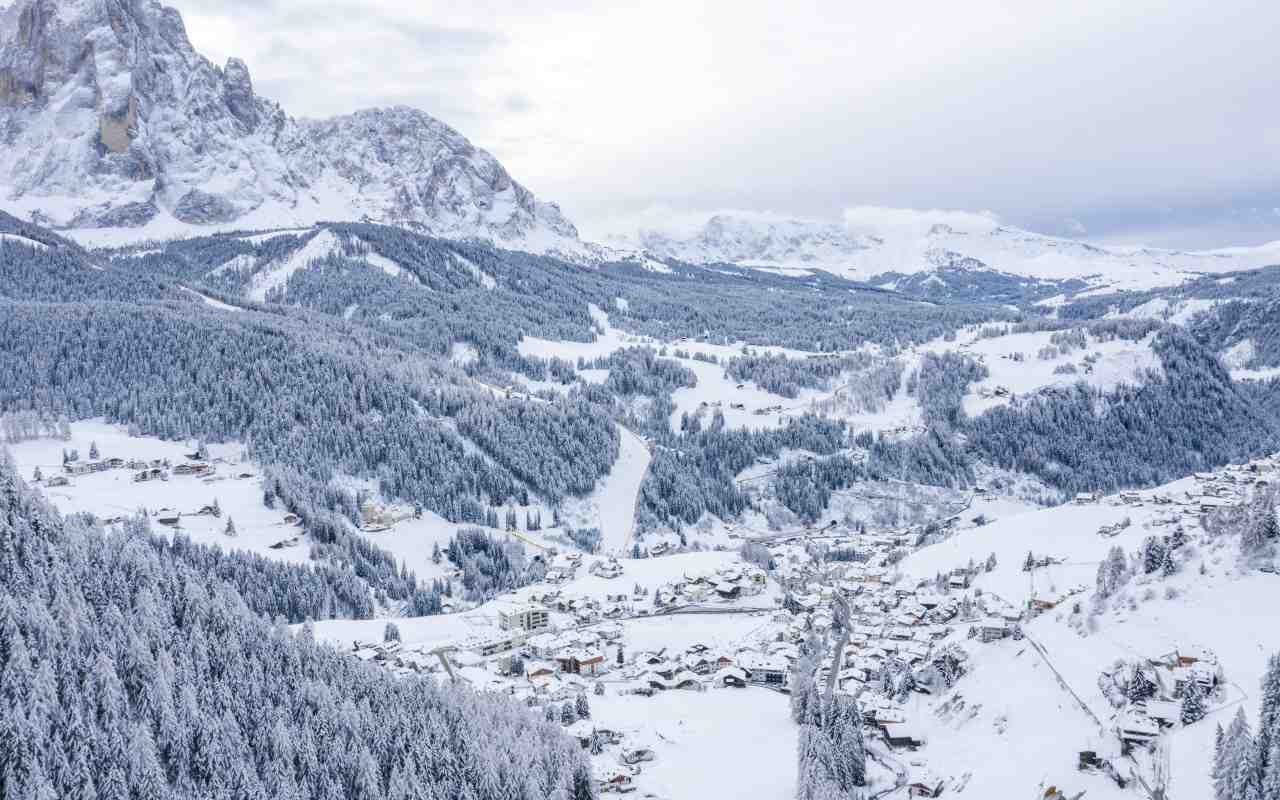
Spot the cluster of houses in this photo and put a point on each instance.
(1167, 677)
(144, 470)
(1224, 488)
(727, 583)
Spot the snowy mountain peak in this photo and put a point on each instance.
(875, 241)
(757, 239)
(111, 119)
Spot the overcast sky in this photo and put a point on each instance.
(1133, 121)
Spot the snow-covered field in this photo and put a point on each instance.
(114, 493)
(730, 743)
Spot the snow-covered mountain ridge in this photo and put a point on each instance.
(873, 242)
(109, 118)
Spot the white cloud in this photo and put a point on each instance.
(906, 222)
(1039, 110)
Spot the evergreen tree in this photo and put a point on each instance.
(568, 714)
(391, 633)
(1193, 709)
(1233, 763)
(37, 476)
(1140, 686)
(230, 529)
(93, 451)
(1153, 553)
(842, 724)
(582, 707)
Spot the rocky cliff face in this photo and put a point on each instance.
(110, 118)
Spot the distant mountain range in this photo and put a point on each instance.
(109, 118)
(886, 243)
(114, 127)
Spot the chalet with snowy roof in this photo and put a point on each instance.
(902, 735)
(924, 784)
(731, 676)
(610, 777)
(1136, 729)
(584, 661)
(765, 670)
(680, 679)
(538, 669)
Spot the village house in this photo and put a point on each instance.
(902, 735)
(924, 784)
(606, 569)
(150, 474)
(765, 670)
(587, 661)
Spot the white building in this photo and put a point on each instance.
(523, 617)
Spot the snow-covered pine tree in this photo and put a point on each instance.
(1232, 761)
(582, 707)
(842, 724)
(1152, 554)
(1268, 738)
(1193, 709)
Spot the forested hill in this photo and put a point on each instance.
(126, 672)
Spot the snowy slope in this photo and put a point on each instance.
(1007, 745)
(115, 494)
(115, 124)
